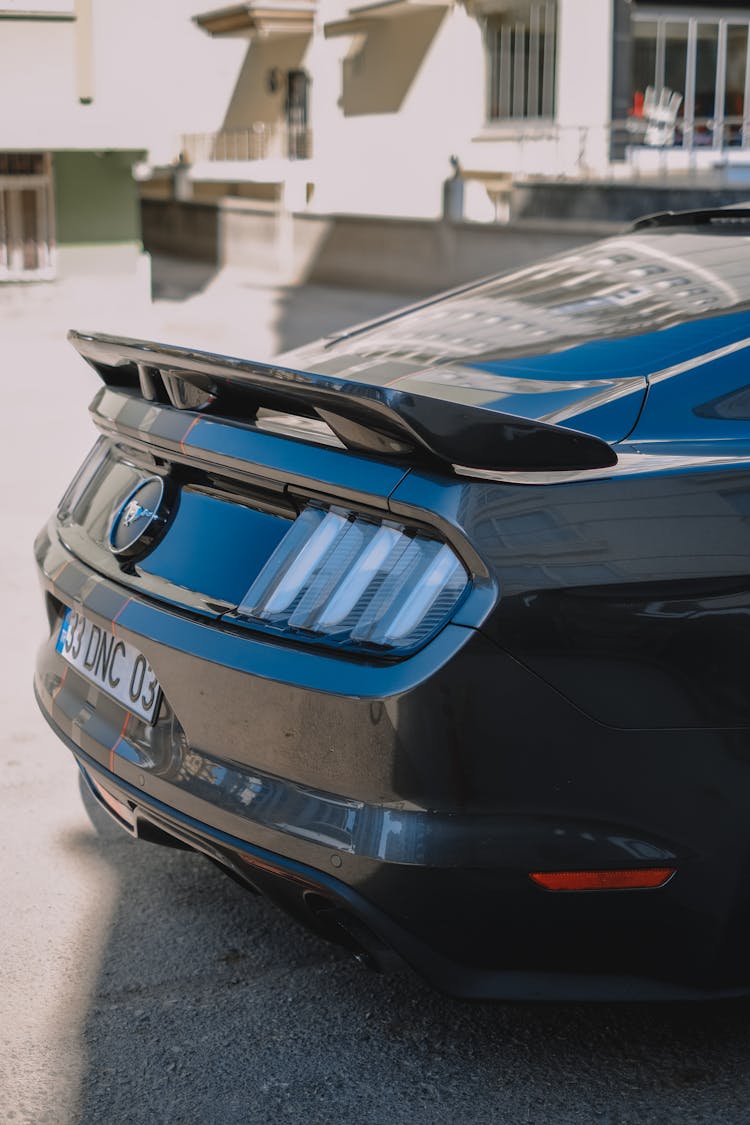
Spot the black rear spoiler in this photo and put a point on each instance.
(717, 217)
(374, 419)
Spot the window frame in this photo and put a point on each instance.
(532, 74)
(722, 18)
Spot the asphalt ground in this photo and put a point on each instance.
(139, 984)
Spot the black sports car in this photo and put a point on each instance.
(437, 631)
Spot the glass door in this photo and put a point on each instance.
(703, 58)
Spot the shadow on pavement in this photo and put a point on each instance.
(213, 1007)
(173, 279)
(231, 312)
(300, 311)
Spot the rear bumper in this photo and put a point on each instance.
(419, 811)
(340, 914)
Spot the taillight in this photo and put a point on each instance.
(346, 579)
(629, 879)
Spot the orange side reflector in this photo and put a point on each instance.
(123, 811)
(635, 879)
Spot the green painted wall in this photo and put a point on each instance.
(96, 198)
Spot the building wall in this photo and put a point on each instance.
(251, 99)
(387, 107)
(154, 75)
(97, 215)
(406, 255)
(584, 91)
(102, 84)
(392, 100)
(96, 198)
(390, 108)
(37, 76)
(584, 63)
(576, 143)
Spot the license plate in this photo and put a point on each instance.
(115, 666)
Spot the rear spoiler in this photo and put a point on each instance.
(374, 419)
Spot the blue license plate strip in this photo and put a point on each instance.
(116, 667)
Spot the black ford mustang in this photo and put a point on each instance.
(437, 632)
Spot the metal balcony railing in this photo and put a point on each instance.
(259, 141)
(541, 149)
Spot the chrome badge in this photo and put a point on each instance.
(139, 519)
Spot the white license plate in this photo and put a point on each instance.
(115, 666)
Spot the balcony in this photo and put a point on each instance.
(273, 18)
(259, 141)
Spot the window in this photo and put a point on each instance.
(27, 246)
(521, 44)
(704, 59)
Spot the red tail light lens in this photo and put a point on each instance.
(634, 879)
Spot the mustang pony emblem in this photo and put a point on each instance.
(134, 512)
(139, 519)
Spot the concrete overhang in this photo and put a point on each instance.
(48, 14)
(361, 16)
(294, 17)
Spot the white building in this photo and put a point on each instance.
(359, 110)
(321, 108)
(86, 99)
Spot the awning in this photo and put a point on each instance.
(295, 17)
(361, 15)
